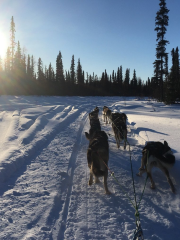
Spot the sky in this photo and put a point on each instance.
(44, 191)
(104, 34)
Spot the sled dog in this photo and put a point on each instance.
(119, 129)
(94, 126)
(157, 154)
(121, 116)
(98, 157)
(106, 114)
(94, 113)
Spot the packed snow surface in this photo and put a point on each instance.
(44, 174)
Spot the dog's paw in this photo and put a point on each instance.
(108, 192)
(138, 174)
(153, 186)
(97, 180)
(173, 190)
(90, 183)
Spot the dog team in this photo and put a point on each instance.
(154, 154)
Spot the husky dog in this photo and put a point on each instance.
(121, 116)
(94, 125)
(96, 109)
(94, 113)
(157, 154)
(119, 129)
(107, 114)
(98, 156)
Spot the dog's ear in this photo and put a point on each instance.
(87, 135)
(166, 144)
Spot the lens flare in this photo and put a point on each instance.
(3, 44)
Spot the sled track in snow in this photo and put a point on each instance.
(27, 152)
(71, 168)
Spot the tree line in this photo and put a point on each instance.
(18, 75)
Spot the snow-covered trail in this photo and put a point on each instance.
(38, 192)
(47, 196)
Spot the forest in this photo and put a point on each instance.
(20, 74)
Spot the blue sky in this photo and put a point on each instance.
(104, 34)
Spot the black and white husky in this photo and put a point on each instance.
(157, 154)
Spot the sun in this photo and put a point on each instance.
(3, 45)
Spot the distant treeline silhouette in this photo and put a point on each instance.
(18, 76)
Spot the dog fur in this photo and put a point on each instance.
(119, 128)
(94, 126)
(157, 154)
(97, 155)
(94, 113)
(107, 114)
(121, 116)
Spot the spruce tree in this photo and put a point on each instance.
(59, 69)
(12, 42)
(18, 62)
(173, 82)
(113, 76)
(72, 71)
(80, 79)
(40, 70)
(8, 61)
(32, 67)
(50, 71)
(120, 76)
(29, 67)
(161, 22)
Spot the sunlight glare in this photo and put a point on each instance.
(3, 45)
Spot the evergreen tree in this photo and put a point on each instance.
(80, 79)
(40, 70)
(173, 82)
(126, 81)
(166, 72)
(8, 61)
(18, 68)
(134, 79)
(113, 76)
(120, 76)
(29, 67)
(32, 67)
(127, 77)
(50, 73)
(72, 71)
(12, 42)
(161, 22)
(134, 83)
(59, 69)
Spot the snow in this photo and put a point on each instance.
(44, 174)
